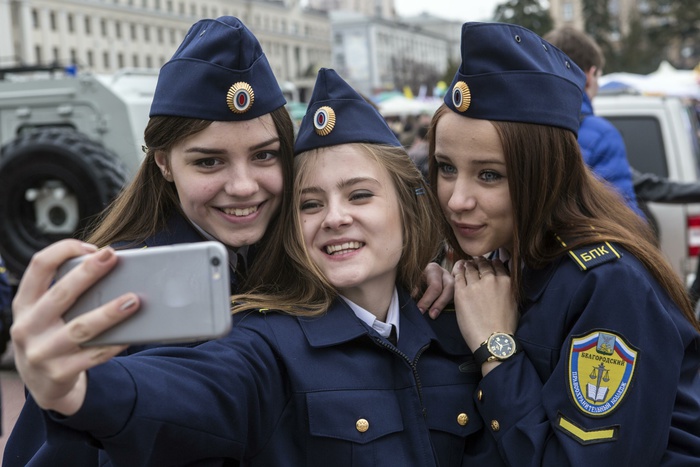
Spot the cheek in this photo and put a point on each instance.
(444, 193)
(272, 180)
(307, 231)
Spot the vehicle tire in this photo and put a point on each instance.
(52, 181)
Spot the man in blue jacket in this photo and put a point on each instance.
(601, 143)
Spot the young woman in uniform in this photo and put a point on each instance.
(588, 346)
(218, 166)
(333, 364)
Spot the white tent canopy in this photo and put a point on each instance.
(401, 106)
(666, 81)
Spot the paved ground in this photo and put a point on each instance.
(12, 397)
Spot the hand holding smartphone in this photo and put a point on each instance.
(183, 289)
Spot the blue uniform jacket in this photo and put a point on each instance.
(290, 391)
(569, 399)
(27, 445)
(604, 151)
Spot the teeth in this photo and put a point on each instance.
(343, 247)
(240, 212)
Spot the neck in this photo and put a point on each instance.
(374, 297)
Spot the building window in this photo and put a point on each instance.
(173, 36)
(35, 19)
(146, 33)
(88, 26)
(103, 27)
(120, 60)
(55, 54)
(159, 33)
(133, 31)
(71, 26)
(52, 20)
(118, 29)
(135, 60)
(149, 61)
(37, 53)
(90, 59)
(105, 60)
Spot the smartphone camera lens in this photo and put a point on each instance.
(215, 261)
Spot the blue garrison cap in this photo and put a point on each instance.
(218, 73)
(509, 73)
(337, 114)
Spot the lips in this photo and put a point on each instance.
(468, 229)
(342, 248)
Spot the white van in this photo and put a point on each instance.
(661, 135)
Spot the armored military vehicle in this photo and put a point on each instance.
(68, 144)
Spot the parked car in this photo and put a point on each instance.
(661, 135)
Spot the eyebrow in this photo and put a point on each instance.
(342, 184)
(474, 162)
(203, 150)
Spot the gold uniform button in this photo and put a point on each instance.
(462, 419)
(495, 426)
(362, 425)
(480, 395)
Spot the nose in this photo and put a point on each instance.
(337, 216)
(240, 182)
(463, 197)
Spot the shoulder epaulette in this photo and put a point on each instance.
(595, 254)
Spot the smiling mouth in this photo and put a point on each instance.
(240, 212)
(343, 248)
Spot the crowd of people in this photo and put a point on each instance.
(478, 297)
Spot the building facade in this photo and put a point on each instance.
(103, 36)
(370, 8)
(376, 54)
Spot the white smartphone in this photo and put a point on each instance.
(184, 291)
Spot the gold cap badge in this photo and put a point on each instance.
(240, 97)
(461, 96)
(324, 120)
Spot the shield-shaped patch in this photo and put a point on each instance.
(601, 366)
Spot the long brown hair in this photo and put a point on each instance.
(554, 194)
(292, 283)
(144, 206)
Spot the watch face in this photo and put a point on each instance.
(501, 345)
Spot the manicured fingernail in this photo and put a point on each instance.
(422, 310)
(127, 305)
(105, 254)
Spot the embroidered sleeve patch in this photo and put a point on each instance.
(593, 255)
(601, 366)
(584, 436)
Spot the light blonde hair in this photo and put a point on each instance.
(292, 283)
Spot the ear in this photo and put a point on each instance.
(591, 76)
(163, 162)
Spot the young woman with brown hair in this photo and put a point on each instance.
(587, 341)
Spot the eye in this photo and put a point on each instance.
(265, 155)
(446, 169)
(361, 195)
(207, 162)
(310, 205)
(490, 176)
